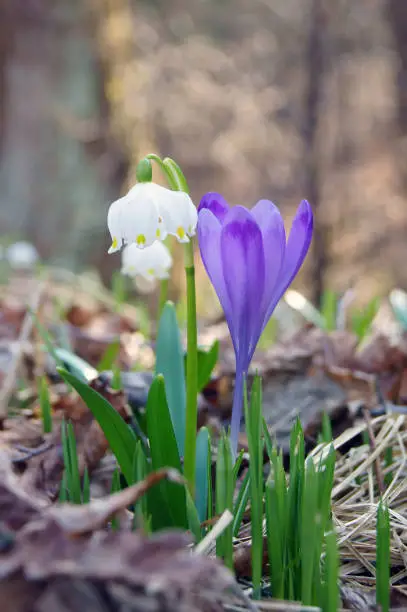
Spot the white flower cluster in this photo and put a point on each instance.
(141, 220)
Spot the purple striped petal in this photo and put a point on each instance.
(244, 271)
(216, 204)
(297, 247)
(271, 224)
(209, 233)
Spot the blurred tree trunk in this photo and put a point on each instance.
(6, 44)
(315, 64)
(397, 14)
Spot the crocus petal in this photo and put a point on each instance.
(296, 249)
(209, 231)
(244, 271)
(271, 224)
(114, 224)
(216, 204)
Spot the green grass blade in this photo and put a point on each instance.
(267, 439)
(295, 493)
(76, 492)
(170, 363)
(255, 442)
(210, 482)
(237, 465)
(164, 452)
(241, 503)
(362, 320)
(224, 498)
(207, 360)
(109, 357)
(120, 437)
(201, 479)
(331, 574)
(194, 523)
(383, 557)
(308, 534)
(329, 309)
(275, 544)
(326, 428)
(75, 365)
(45, 406)
(140, 470)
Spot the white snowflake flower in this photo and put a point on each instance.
(148, 213)
(152, 263)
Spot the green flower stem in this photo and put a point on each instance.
(177, 182)
(192, 370)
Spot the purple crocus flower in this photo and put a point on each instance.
(250, 264)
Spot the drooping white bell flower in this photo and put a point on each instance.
(152, 263)
(22, 255)
(149, 212)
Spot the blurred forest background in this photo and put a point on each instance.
(253, 98)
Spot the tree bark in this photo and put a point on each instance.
(315, 65)
(397, 15)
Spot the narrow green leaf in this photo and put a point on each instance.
(170, 363)
(46, 337)
(224, 498)
(164, 452)
(326, 428)
(210, 482)
(241, 503)
(267, 439)
(116, 383)
(192, 515)
(237, 465)
(140, 470)
(331, 574)
(75, 493)
(362, 320)
(329, 309)
(201, 494)
(63, 497)
(207, 360)
(45, 405)
(253, 427)
(383, 557)
(309, 525)
(75, 365)
(120, 437)
(109, 356)
(275, 537)
(295, 494)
